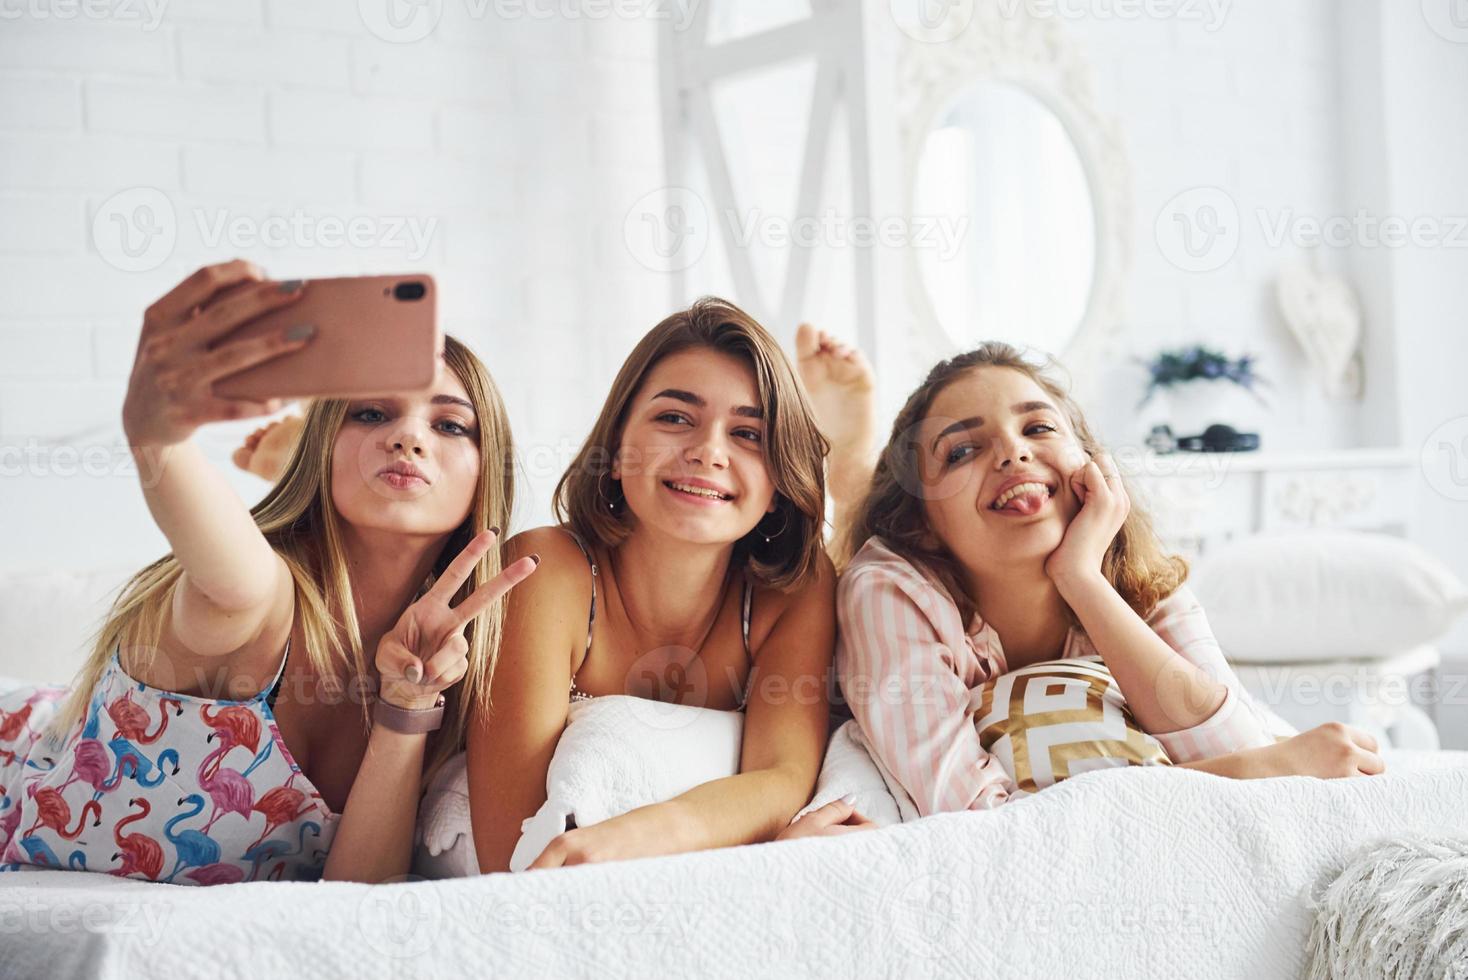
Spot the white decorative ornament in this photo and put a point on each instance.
(1322, 499)
(1322, 312)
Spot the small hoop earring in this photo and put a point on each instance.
(611, 504)
(783, 525)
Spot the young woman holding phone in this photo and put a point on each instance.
(263, 701)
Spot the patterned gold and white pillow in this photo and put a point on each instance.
(1059, 718)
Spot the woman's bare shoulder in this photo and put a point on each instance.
(562, 581)
(561, 558)
(770, 604)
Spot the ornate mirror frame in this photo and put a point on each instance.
(1002, 42)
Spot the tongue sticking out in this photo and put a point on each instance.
(1025, 503)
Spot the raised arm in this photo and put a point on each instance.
(1165, 690)
(425, 653)
(232, 580)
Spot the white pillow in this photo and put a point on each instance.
(1326, 595)
(47, 617)
(850, 770)
(617, 753)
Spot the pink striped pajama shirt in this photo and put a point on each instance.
(907, 668)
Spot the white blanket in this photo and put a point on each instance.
(1146, 871)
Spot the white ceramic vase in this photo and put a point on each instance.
(1193, 406)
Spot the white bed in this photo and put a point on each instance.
(1136, 872)
(1147, 871)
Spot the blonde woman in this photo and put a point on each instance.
(264, 700)
(689, 569)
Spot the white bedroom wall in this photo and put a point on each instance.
(1425, 73)
(1323, 110)
(517, 143)
(1247, 101)
(1242, 97)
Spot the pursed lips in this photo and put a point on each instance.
(402, 474)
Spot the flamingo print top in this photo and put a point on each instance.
(159, 786)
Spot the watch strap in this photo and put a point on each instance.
(409, 721)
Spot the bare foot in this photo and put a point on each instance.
(267, 449)
(842, 389)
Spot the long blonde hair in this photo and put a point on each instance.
(1135, 564)
(302, 525)
(592, 503)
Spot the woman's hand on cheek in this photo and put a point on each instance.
(1104, 508)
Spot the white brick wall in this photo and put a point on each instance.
(180, 110)
(490, 132)
(250, 58)
(44, 104)
(105, 48)
(349, 121)
(524, 141)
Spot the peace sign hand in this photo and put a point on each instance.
(426, 652)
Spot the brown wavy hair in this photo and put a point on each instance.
(1136, 564)
(591, 501)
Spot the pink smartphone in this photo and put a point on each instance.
(374, 335)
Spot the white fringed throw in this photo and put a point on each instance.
(1398, 909)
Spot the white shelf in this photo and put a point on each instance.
(1185, 464)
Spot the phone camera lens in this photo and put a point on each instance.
(409, 291)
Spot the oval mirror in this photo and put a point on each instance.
(1018, 253)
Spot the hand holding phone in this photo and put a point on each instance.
(368, 335)
(226, 343)
(179, 360)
